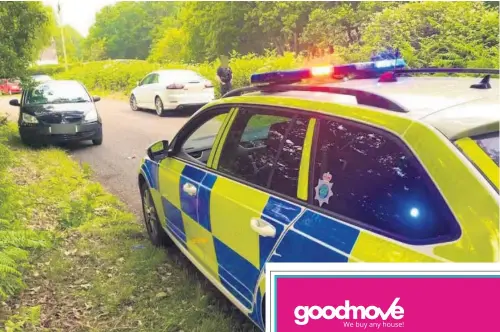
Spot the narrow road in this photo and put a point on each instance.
(127, 134)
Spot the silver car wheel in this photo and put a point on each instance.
(159, 106)
(133, 103)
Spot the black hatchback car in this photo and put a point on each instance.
(56, 112)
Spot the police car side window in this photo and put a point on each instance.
(265, 148)
(198, 145)
(373, 179)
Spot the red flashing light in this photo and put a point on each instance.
(322, 71)
(388, 77)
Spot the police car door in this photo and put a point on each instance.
(252, 201)
(184, 183)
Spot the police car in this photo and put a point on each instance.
(384, 165)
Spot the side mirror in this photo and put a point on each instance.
(158, 150)
(96, 98)
(14, 102)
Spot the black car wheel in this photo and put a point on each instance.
(133, 103)
(30, 142)
(159, 106)
(25, 141)
(97, 141)
(155, 231)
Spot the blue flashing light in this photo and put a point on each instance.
(414, 212)
(361, 69)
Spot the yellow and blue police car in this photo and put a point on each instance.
(387, 166)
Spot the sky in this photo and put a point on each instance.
(80, 14)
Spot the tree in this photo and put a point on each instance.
(282, 23)
(216, 28)
(443, 34)
(170, 48)
(492, 5)
(95, 51)
(25, 29)
(127, 28)
(341, 25)
(73, 40)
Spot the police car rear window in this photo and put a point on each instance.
(370, 177)
(483, 152)
(489, 143)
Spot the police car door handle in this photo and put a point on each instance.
(262, 227)
(189, 189)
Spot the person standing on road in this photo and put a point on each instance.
(224, 75)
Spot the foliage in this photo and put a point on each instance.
(215, 28)
(50, 70)
(122, 76)
(125, 30)
(172, 47)
(15, 239)
(461, 34)
(110, 75)
(25, 28)
(29, 316)
(212, 29)
(341, 25)
(73, 41)
(445, 34)
(95, 50)
(282, 23)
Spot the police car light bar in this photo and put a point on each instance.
(361, 69)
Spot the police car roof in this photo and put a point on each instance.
(447, 103)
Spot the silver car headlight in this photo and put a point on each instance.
(91, 116)
(28, 118)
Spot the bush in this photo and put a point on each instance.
(122, 76)
(50, 70)
(446, 34)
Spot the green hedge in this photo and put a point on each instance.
(122, 75)
(46, 70)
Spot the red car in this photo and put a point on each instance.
(10, 86)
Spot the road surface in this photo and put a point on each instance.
(127, 134)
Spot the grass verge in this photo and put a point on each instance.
(90, 266)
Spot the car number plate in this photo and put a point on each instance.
(64, 129)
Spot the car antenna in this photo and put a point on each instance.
(484, 84)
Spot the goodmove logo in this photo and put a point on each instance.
(303, 313)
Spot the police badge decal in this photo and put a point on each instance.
(324, 189)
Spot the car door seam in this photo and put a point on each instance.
(197, 197)
(271, 253)
(235, 278)
(324, 244)
(218, 141)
